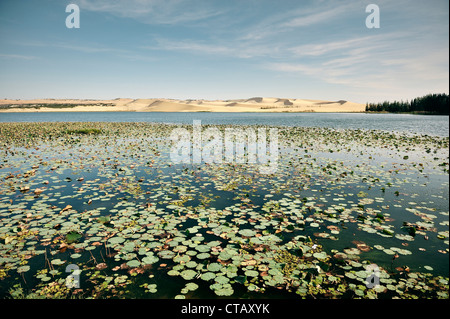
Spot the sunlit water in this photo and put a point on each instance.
(414, 124)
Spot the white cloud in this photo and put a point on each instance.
(232, 48)
(17, 57)
(153, 11)
(329, 47)
(320, 16)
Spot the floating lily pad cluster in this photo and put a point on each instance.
(112, 205)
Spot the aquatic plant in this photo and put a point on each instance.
(113, 204)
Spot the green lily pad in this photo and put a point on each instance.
(103, 219)
(73, 237)
(224, 290)
(22, 269)
(203, 248)
(208, 276)
(389, 251)
(188, 274)
(203, 255)
(133, 263)
(191, 286)
(247, 232)
(224, 255)
(166, 254)
(181, 259)
(116, 240)
(251, 273)
(221, 279)
(214, 267)
(321, 255)
(191, 264)
(57, 262)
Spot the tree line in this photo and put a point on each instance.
(428, 104)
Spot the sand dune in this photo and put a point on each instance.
(254, 104)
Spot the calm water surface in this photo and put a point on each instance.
(414, 124)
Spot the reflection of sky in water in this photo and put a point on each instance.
(406, 123)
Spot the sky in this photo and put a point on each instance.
(224, 49)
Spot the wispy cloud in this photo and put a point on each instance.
(18, 57)
(277, 24)
(319, 16)
(86, 48)
(319, 49)
(232, 48)
(368, 62)
(154, 11)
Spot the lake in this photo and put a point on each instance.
(407, 123)
(100, 193)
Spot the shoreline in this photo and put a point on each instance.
(252, 105)
(135, 111)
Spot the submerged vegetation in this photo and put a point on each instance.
(84, 131)
(106, 198)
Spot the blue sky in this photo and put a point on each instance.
(211, 49)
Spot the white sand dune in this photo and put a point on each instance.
(255, 104)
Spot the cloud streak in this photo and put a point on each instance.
(163, 12)
(17, 57)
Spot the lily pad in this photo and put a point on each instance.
(203, 255)
(247, 232)
(133, 263)
(224, 290)
(188, 274)
(214, 267)
(208, 276)
(191, 286)
(73, 237)
(57, 262)
(251, 273)
(23, 269)
(116, 240)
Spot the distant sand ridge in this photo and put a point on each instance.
(255, 104)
